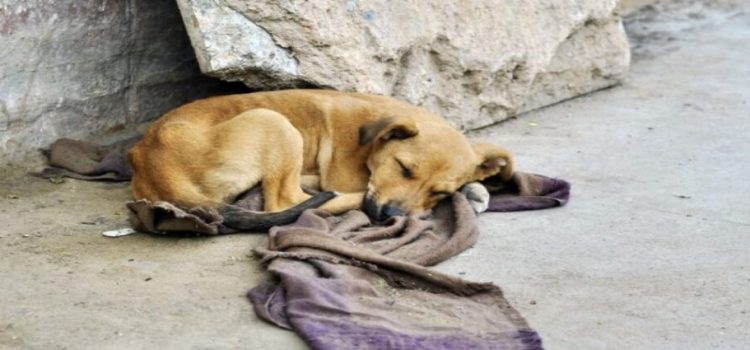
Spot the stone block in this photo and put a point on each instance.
(473, 62)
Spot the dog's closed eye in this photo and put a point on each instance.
(405, 171)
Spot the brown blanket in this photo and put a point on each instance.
(343, 282)
(88, 161)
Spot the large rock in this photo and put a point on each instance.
(475, 62)
(74, 68)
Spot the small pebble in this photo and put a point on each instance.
(533, 302)
(57, 180)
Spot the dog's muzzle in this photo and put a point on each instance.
(380, 213)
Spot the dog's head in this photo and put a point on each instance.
(413, 165)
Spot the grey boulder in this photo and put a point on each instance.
(474, 62)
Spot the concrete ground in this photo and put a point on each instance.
(651, 252)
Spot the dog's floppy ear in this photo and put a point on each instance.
(493, 160)
(389, 128)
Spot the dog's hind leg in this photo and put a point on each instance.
(263, 146)
(282, 181)
(258, 146)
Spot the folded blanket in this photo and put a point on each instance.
(88, 161)
(344, 282)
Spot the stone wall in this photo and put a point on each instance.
(71, 68)
(474, 62)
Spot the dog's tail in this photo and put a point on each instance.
(243, 219)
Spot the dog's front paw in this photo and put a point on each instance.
(478, 196)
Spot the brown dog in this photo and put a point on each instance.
(383, 155)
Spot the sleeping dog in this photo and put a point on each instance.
(363, 151)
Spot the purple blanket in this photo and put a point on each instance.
(345, 284)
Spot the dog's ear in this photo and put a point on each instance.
(493, 160)
(390, 128)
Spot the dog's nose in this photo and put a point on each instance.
(391, 209)
(371, 208)
(379, 213)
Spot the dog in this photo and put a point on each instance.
(363, 151)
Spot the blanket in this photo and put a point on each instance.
(344, 282)
(88, 161)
